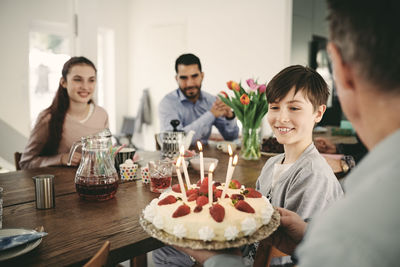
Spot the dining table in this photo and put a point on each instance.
(77, 228)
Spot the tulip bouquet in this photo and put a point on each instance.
(250, 105)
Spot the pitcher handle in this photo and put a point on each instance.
(158, 139)
(72, 151)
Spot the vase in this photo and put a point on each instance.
(251, 143)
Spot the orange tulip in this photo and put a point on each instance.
(235, 86)
(229, 84)
(244, 99)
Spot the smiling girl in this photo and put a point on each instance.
(71, 115)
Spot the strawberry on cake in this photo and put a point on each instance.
(241, 213)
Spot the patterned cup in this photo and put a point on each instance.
(128, 172)
(145, 175)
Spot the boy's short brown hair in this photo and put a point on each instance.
(302, 79)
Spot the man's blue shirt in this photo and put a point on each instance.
(194, 116)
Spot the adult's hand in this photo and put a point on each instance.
(202, 255)
(324, 145)
(290, 232)
(222, 106)
(217, 110)
(76, 159)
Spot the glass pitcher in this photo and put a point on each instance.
(96, 177)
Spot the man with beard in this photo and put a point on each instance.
(195, 109)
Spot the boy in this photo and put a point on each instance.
(300, 179)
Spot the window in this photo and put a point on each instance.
(49, 48)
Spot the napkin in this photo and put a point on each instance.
(7, 242)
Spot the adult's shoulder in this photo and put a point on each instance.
(43, 117)
(173, 95)
(208, 96)
(100, 110)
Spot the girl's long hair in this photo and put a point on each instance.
(58, 108)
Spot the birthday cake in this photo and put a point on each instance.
(240, 214)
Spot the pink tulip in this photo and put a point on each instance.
(253, 86)
(262, 88)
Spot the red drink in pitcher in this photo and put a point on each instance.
(93, 189)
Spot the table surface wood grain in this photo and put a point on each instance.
(77, 228)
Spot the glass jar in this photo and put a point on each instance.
(96, 177)
(251, 143)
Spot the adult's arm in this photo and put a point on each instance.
(168, 111)
(31, 157)
(224, 260)
(357, 150)
(227, 128)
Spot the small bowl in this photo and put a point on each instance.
(195, 163)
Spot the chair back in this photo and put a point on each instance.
(17, 158)
(128, 125)
(126, 134)
(100, 258)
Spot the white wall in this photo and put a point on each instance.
(16, 17)
(234, 39)
(115, 15)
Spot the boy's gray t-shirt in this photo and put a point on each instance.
(307, 187)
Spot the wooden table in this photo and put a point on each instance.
(351, 139)
(77, 228)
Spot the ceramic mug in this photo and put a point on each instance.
(124, 154)
(223, 146)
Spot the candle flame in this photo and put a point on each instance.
(182, 150)
(178, 162)
(230, 150)
(199, 146)
(211, 169)
(235, 160)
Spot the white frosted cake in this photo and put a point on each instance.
(241, 213)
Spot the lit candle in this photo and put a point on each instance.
(229, 176)
(210, 183)
(229, 162)
(181, 185)
(201, 161)
(185, 171)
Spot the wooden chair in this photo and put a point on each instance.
(139, 261)
(100, 258)
(265, 253)
(17, 158)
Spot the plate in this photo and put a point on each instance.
(19, 250)
(262, 233)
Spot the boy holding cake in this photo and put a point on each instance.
(300, 179)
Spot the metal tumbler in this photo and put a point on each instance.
(44, 191)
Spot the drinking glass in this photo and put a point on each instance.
(160, 175)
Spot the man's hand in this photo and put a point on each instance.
(324, 145)
(76, 159)
(290, 232)
(219, 108)
(216, 109)
(202, 255)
